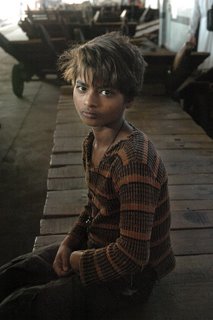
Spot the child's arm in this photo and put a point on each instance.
(72, 242)
(61, 264)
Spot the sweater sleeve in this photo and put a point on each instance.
(79, 231)
(138, 192)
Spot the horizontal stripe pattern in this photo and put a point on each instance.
(129, 202)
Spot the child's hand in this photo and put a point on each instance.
(61, 264)
(75, 260)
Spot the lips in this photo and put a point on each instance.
(89, 115)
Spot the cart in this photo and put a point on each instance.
(36, 57)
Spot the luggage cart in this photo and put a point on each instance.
(35, 57)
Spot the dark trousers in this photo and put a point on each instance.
(31, 290)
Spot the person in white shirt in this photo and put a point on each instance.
(205, 37)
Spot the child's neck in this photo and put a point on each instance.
(104, 138)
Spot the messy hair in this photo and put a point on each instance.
(113, 60)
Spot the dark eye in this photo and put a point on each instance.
(106, 92)
(81, 88)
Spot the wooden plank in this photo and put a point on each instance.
(71, 130)
(194, 269)
(69, 112)
(67, 116)
(151, 110)
(183, 126)
(185, 167)
(164, 111)
(65, 203)
(181, 141)
(179, 205)
(191, 179)
(65, 97)
(64, 106)
(68, 120)
(69, 133)
(192, 219)
(192, 242)
(164, 144)
(74, 171)
(67, 145)
(42, 241)
(67, 196)
(191, 192)
(184, 138)
(69, 126)
(65, 100)
(52, 209)
(159, 113)
(66, 184)
(156, 101)
(56, 226)
(194, 156)
(70, 158)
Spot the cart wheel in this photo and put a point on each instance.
(18, 80)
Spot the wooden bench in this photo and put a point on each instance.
(188, 155)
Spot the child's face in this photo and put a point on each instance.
(98, 106)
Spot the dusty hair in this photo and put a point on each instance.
(113, 60)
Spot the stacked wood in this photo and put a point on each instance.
(92, 20)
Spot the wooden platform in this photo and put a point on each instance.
(187, 152)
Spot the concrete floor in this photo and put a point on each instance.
(26, 137)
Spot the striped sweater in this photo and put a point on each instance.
(129, 204)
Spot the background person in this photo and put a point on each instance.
(204, 40)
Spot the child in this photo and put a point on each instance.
(120, 244)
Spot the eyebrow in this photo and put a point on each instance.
(79, 82)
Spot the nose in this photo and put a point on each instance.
(91, 98)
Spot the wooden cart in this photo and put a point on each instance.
(35, 57)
